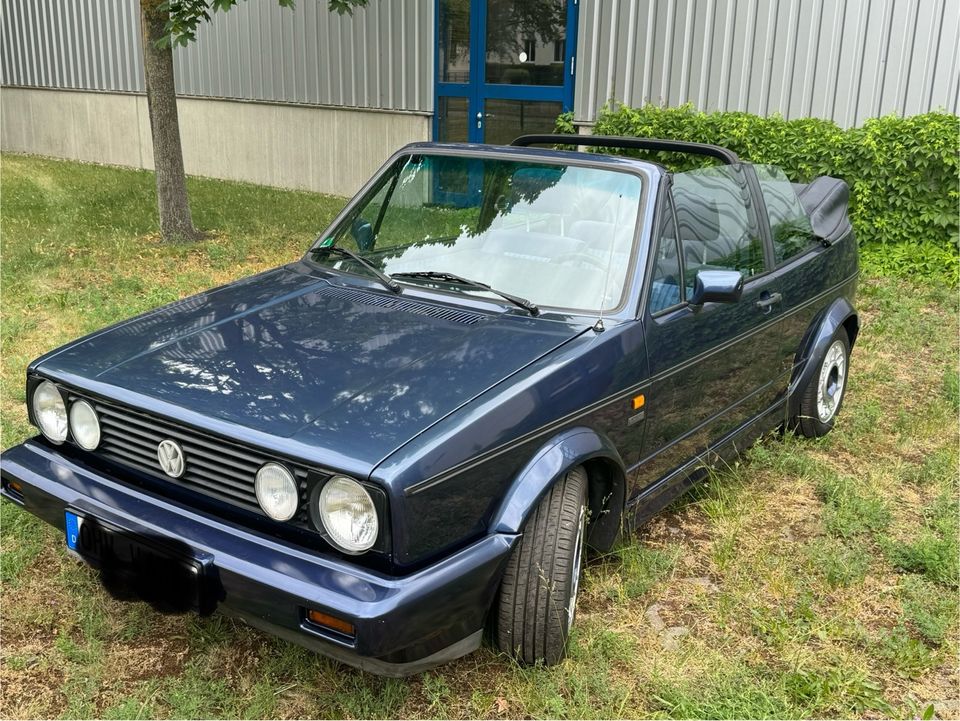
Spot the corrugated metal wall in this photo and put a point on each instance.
(85, 44)
(842, 59)
(847, 60)
(381, 57)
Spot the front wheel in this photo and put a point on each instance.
(823, 395)
(538, 595)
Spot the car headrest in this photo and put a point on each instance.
(529, 243)
(602, 236)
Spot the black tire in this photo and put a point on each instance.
(538, 594)
(811, 420)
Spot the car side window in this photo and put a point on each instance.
(716, 222)
(789, 222)
(666, 284)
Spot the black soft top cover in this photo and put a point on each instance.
(826, 201)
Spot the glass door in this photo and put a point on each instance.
(504, 68)
(454, 67)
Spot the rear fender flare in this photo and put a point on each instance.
(837, 315)
(572, 447)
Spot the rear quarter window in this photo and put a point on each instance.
(789, 223)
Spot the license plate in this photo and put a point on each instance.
(161, 571)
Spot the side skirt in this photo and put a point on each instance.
(662, 492)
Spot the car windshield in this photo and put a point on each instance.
(558, 235)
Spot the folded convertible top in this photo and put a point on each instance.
(827, 201)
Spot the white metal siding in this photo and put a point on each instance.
(381, 57)
(842, 59)
(847, 60)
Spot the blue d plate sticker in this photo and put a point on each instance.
(73, 530)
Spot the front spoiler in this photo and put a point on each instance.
(403, 624)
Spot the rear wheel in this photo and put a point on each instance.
(538, 595)
(823, 396)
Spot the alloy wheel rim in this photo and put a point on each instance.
(833, 374)
(577, 562)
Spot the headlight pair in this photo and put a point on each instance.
(51, 415)
(345, 509)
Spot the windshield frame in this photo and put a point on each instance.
(647, 173)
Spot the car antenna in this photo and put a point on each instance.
(598, 327)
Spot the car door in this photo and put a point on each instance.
(712, 367)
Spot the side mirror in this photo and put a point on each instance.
(716, 286)
(362, 233)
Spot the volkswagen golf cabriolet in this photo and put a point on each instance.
(494, 359)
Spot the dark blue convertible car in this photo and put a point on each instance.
(495, 358)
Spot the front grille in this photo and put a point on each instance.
(214, 467)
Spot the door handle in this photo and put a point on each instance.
(481, 116)
(767, 300)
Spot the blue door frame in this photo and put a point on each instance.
(477, 91)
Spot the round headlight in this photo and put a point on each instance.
(84, 425)
(348, 514)
(277, 492)
(50, 412)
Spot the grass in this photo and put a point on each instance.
(810, 579)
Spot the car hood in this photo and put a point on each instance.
(349, 372)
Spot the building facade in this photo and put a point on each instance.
(307, 98)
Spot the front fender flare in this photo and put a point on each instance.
(554, 458)
(815, 344)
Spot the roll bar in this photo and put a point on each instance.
(728, 157)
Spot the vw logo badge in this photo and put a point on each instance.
(170, 455)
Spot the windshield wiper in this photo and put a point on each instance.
(388, 282)
(527, 305)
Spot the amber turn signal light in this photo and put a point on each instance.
(331, 622)
(15, 487)
(638, 402)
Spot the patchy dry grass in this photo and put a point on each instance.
(810, 579)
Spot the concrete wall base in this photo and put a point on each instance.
(327, 150)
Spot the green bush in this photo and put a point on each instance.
(903, 172)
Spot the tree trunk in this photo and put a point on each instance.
(176, 222)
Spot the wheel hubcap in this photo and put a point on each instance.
(832, 376)
(577, 562)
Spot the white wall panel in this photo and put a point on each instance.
(846, 60)
(380, 57)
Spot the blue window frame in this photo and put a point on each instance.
(484, 100)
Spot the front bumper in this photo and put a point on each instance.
(403, 624)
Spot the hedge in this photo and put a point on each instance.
(903, 172)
